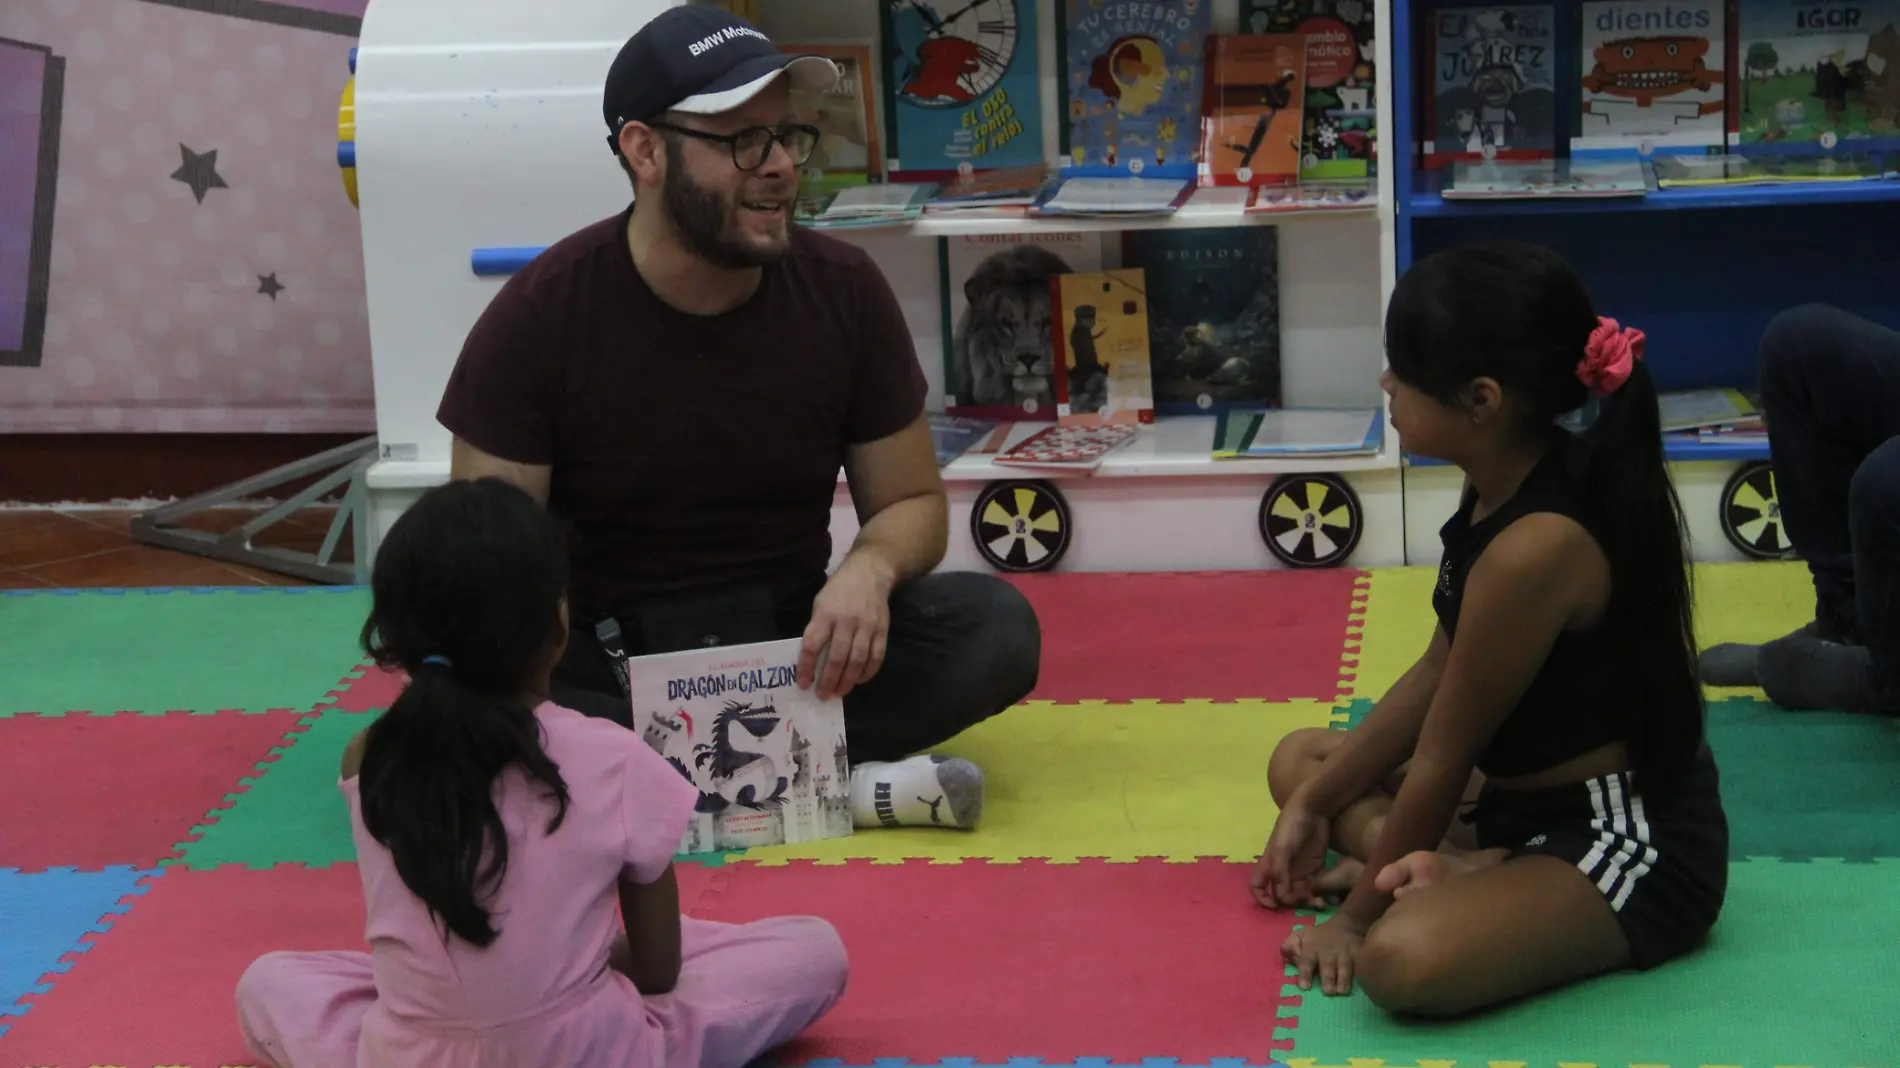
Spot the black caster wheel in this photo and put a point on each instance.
(1021, 526)
(1311, 521)
(1751, 513)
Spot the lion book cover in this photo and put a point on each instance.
(1132, 75)
(1338, 134)
(1252, 115)
(768, 757)
(1494, 85)
(999, 355)
(1815, 78)
(1100, 329)
(962, 86)
(1654, 78)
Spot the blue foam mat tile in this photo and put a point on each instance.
(47, 915)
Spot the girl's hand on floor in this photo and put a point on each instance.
(1295, 855)
(1326, 951)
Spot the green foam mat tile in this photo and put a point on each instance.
(1801, 970)
(1807, 784)
(291, 811)
(177, 650)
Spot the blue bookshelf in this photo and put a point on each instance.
(1701, 270)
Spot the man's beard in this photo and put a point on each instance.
(701, 218)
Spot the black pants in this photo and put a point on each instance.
(1830, 385)
(963, 646)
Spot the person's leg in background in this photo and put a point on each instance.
(1830, 386)
(963, 647)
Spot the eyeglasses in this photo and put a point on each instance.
(752, 145)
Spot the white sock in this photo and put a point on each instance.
(922, 791)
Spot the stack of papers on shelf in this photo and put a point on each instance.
(1069, 447)
(1242, 433)
(1113, 196)
(879, 204)
(1546, 178)
(1713, 415)
(1340, 195)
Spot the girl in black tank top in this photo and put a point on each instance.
(1557, 705)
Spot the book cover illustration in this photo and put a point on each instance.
(1653, 77)
(1818, 75)
(769, 758)
(1256, 97)
(962, 85)
(1338, 134)
(1213, 315)
(1069, 446)
(1101, 340)
(1494, 84)
(1132, 86)
(1000, 354)
(849, 149)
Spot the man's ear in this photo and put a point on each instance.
(644, 151)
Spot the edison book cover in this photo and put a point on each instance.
(768, 757)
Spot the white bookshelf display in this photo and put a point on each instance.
(478, 126)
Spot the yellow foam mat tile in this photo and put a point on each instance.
(1395, 629)
(1118, 781)
(1750, 603)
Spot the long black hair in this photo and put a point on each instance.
(1518, 314)
(467, 599)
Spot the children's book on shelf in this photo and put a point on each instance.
(1815, 77)
(1494, 84)
(1000, 357)
(1306, 432)
(1100, 330)
(1213, 315)
(1131, 79)
(1076, 195)
(1068, 446)
(880, 204)
(1674, 171)
(1546, 178)
(952, 436)
(962, 85)
(849, 151)
(1654, 78)
(1340, 195)
(1256, 95)
(769, 758)
(1338, 136)
(1692, 409)
(1011, 187)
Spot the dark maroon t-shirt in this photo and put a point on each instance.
(686, 450)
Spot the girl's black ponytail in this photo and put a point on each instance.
(467, 600)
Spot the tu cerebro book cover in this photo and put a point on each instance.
(768, 757)
(1132, 76)
(962, 89)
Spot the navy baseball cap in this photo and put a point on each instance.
(702, 59)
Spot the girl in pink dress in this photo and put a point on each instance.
(497, 832)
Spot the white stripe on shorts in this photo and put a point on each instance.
(1622, 834)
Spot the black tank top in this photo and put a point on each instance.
(1570, 706)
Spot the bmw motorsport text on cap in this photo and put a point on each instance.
(702, 59)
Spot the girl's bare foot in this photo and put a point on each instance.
(1416, 871)
(1335, 883)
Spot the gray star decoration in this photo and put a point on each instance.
(268, 285)
(199, 171)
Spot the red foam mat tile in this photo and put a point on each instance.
(1031, 960)
(121, 789)
(160, 987)
(1217, 636)
(368, 689)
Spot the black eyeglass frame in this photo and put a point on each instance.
(773, 137)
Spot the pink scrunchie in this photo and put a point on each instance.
(1610, 356)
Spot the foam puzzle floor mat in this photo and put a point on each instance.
(1098, 917)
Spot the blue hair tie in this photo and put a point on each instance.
(439, 660)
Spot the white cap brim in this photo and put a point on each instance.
(815, 73)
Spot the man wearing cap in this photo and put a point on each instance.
(680, 384)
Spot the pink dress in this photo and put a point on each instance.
(542, 993)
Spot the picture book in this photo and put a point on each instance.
(962, 85)
(1213, 315)
(1256, 96)
(999, 353)
(849, 150)
(1069, 447)
(1815, 77)
(1131, 81)
(1555, 179)
(1654, 78)
(1101, 341)
(769, 758)
(1338, 129)
(1675, 171)
(1494, 84)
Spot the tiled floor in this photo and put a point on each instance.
(92, 548)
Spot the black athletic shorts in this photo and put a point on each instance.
(1662, 863)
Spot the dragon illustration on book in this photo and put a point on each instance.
(739, 775)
